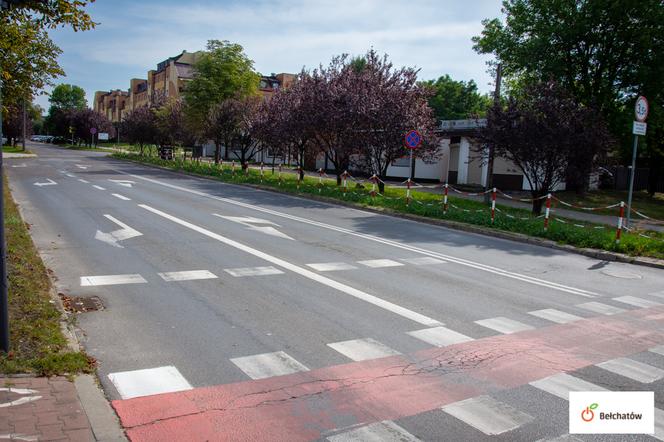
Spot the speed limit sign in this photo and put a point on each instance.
(641, 109)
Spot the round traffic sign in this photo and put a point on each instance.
(93, 130)
(641, 109)
(413, 139)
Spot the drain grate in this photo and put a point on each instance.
(78, 304)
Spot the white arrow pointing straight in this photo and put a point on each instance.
(49, 182)
(112, 238)
(125, 183)
(250, 221)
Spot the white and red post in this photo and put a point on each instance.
(262, 165)
(493, 205)
(547, 212)
(374, 178)
(445, 194)
(620, 222)
(320, 179)
(233, 168)
(299, 175)
(408, 192)
(344, 181)
(279, 174)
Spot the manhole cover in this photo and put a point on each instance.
(80, 304)
(621, 274)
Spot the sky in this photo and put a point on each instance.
(132, 36)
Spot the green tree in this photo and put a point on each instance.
(222, 72)
(50, 13)
(456, 100)
(68, 96)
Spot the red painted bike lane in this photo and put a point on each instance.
(308, 405)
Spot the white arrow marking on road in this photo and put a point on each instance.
(49, 182)
(20, 165)
(80, 166)
(24, 400)
(112, 238)
(250, 221)
(125, 183)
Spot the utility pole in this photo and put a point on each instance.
(489, 168)
(24, 129)
(4, 305)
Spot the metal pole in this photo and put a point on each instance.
(4, 308)
(412, 166)
(24, 124)
(490, 160)
(631, 180)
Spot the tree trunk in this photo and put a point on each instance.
(537, 203)
(381, 187)
(217, 152)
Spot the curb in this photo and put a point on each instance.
(603, 255)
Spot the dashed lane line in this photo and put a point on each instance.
(87, 281)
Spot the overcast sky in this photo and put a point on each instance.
(279, 35)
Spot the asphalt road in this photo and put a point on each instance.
(200, 277)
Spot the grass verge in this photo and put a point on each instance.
(652, 206)
(37, 343)
(14, 149)
(429, 205)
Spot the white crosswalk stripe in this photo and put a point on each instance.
(136, 383)
(637, 302)
(386, 431)
(267, 365)
(488, 415)
(439, 336)
(562, 383)
(188, 275)
(632, 369)
(363, 349)
(87, 281)
(562, 438)
(504, 325)
(602, 309)
(554, 315)
(659, 350)
(658, 294)
(331, 266)
(379, 263)
(423, 261)
(253, 271)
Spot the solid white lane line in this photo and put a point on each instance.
(488, 415)
(602, 309)
(553, 315)
(397, 309)
(331, 266)
(439, 336)
(83, 181)
(267, 365)
(561, 384)
(87, 281)
(253, 271)
(379, 263)
(122, 197)
(460, 261)
(385, 431)
(363, 349)
(98, 187)
(659, 350)
(188, 275)
(150, 381)
(637, 302)
(632, 369)
(504, 325)
(424, 261)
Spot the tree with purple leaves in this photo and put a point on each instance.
(140, 127)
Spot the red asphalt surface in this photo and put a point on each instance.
(309, 405)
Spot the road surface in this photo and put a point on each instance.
(239, 314)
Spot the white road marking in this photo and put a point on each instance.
(124, 183)
(249, 222)
(424, 261)
(504, 325)
(80, 166)
(70, 175)
(632, 369)
(19, 436)
(98, 187)
(22, 400)
(659, 350)
(562, 438)
(122, 197)
(488, 415)
(561, 384)
(397, 309)
(111, 280)
(379, 263)
(553, 315)
(439, 336)
(658, 294)
(331, 266)
(188, 275)
(81, 180)
(363, 349)
(267, 365)
(638, 302)
(49, 182)
(20, 165)
(385, 431)
(122, 234)
(253, 271)
(602, 309)
(460, 261)
(659, 424)
(137, 383)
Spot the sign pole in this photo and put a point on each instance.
(411, 165)
(641, 109)
(631, 180)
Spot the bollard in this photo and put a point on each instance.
(547, 211)
(493, 205)
(445, 198)
(374, 178)
(262, 171)
(620, 221)
(233, 168)
(344, 181)
(408, 192)
(299, 174)
(280, 174)
(320, 179)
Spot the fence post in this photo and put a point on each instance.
(280, 174)
(445, 199)
(233, 168)
(547, 211)
(620, 222)
(320, 180)
(344, 183)
(408, 192)
(262, 171)
(299, 181)
(493, 205)
(373, 185)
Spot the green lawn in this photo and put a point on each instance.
(37, 342)
(651, 206)
(429, 205)
(12, 149)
